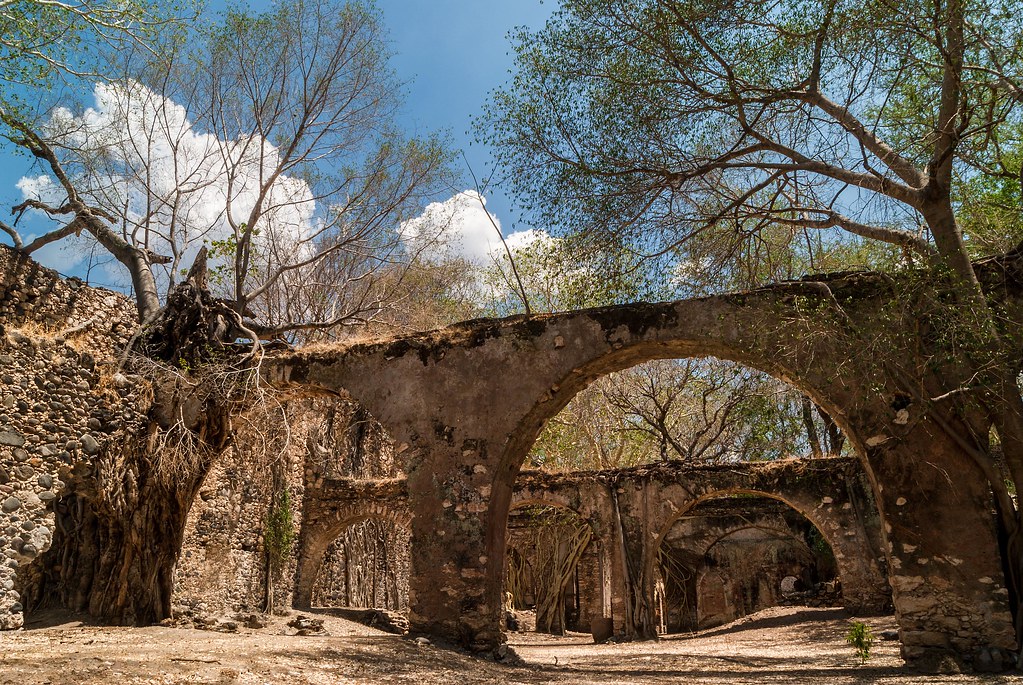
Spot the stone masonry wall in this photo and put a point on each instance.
(59, 406)
(223, 563)
(222, 567)
(62, 403)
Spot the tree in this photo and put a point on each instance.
(691, 410)
(44, 42)
(716, 128)
(732, 117)
(271, 140)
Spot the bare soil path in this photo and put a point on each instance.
(781, 645)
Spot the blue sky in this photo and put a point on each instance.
(450, 53)
(457, 51)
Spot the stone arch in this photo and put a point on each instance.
(683, 600)
(794, 502)
(557, 500)
(594, 575)
(865, 590)
(676, 343)
(316, 537)
(673, 342)
(776, 530)
(471, 399)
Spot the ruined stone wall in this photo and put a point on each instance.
(63, 403)
(223, 565)
(729, 558)
(60, 406)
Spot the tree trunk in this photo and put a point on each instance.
(113, 553)
(120, 526)
(811, 429)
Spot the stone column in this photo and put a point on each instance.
(454, 585)
(945, 571)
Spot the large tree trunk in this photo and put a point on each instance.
(116, 554)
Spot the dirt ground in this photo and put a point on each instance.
(781, 645)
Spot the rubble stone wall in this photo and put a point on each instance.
(60, 405)
(223, 564)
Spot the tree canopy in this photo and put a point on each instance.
(268, 138)
(757, 141)
(43, 42)
(726, 130)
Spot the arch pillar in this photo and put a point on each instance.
(944, 563)
(455, 578)
(493, 384)
(310, 557)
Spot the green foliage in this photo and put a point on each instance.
(279, 531)
(43, 43)
(861, 638)
(675, 130)
(991, 207)
(703, 410)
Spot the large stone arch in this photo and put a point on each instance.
(471, 399)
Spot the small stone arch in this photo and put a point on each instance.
(769, 584)
(594, 574)
(557, 500)
(316, 537)
(776, 530)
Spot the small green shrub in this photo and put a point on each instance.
(861, 638)
(279, 531)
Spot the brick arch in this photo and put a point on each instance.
(316, 537)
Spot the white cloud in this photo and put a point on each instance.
(171, 182)
(459, 228)
(40, 188)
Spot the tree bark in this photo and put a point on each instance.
(119, 528)
(116, 563)
(811, 429)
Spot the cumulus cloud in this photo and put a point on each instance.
(40, 188)
(172, 184)
(461, 227)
